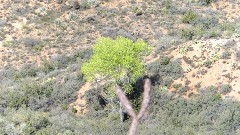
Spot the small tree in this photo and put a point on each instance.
(116, 60)
(120, 61)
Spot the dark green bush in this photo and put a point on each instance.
(74, 110)
(34, 89)
(28, 70)
(167, 81)
(182, 90)
(16, 99)
(207, 1)
(172, 69)
(24, 121)
(94, 100)
(47, 67)
(200, 115)
(189, 17)
(167, 4)
(67, 90)
(187, 34)
(164, 61)
(168, 114)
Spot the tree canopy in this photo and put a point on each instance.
(116, 60)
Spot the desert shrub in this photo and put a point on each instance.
(172, 69)
(167, 4)
(47, 66)
(164, 61)
(81, 55)
(226, 88)
(213, 32)
(87, 4)
(205, 113)
(189, 17)
(36, 89)
(33, 95)
(63, 61)
(187, 34)
(24, 121)
(39, 88)
(31, 42)
(93, 123)
(205, 2)
(67, 90)
(60, 62)
(204, 26)
(95, 101)
(208, 22)
(181, 90)
(164, 74)
(228, 29)
(28, 70)
(176, 85)
(7, 73)
(16, 99)
(209, 26)
(202, 114)
(208, 1)
(167, 81)
(74, 110)
(226, 55)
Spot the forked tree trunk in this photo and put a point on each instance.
(125, 102)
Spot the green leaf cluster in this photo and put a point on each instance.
(117, 60)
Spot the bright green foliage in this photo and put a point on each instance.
(117, 60)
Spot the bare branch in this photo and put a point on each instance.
(146, 98)
(125, 102)
(133, 127)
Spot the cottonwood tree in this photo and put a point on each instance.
(119, 61)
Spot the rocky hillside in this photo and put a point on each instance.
(193, 65)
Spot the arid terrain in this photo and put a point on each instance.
(193, 65)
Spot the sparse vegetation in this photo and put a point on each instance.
(189, 17)
(226, 54)
(50, 49)
(226, 88)
(187, 34)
